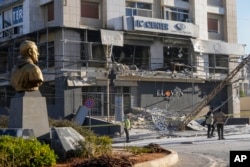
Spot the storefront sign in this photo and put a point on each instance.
(110, 37)
(162, 26)
(151, 25)
(17, 14)
(8, 21)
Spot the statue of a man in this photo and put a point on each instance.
(27, 76)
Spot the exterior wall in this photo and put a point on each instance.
(33, 17)
(199, 17)
(156, 55)
(71, 13)
(230, 21)
(181, 104)
(113, 12)
(230, 32)
(244, 107)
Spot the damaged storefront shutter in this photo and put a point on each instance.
(217, 47)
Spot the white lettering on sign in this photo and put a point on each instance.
(240, 158)
(17, 14)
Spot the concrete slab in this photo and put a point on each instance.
(65, 140)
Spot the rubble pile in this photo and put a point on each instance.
(155, 119)
(141, 119)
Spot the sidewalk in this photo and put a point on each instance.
(143, 134)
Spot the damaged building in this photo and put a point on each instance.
(124, 53)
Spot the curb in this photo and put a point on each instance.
(166, 161)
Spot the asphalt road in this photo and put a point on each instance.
(203, 152)
(194, 149)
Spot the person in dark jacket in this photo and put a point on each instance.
(220, 118)
(210, 123)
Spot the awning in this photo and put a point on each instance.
(217, 47)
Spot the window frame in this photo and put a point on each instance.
(213, 25)
(216, 63)
(133, 8)
(47, 55)
(180, 13)
(93, 10)
(50, 11)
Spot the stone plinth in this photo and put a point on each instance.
(28, 110)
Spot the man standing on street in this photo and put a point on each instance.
(127, 127)
(220, 119)
(210, 123)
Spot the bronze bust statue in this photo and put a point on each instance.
(27, 76)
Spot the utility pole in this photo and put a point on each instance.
(108, 67)
(109, 39)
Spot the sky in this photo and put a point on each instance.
(243, 23)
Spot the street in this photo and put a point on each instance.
(197, 150)
(200, 151)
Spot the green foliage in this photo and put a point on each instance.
(66, 123)
(104, 145)
(242, 93)
(138, 150)
(96, 146)
(16, 152)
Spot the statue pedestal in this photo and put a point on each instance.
(28, 110)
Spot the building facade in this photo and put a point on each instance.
(124, 54)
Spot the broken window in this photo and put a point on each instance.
(176, 58)
(132, 55)
(92, 51)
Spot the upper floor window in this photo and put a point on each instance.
(177, 14)
(218, 64)
(47, 55)
(90, 10)
(50, 8)
(212, 25)
(139, 9)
